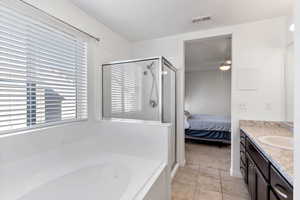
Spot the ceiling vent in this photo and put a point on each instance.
(201, 19)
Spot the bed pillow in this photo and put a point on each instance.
(186, 123)
(187, 114)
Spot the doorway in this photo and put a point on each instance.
(207, 120)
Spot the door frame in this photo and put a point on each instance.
(234, 169)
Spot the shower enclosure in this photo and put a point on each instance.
(142, 89)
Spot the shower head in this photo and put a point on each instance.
(150, 68)
(150, 65)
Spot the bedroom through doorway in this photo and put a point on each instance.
(207, 113)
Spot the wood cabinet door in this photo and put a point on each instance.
(273, 196)
(280, 186)
(261, 187)
(251, 179)
(244, 164)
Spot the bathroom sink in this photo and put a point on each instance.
(278, 141)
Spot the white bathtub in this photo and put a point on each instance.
(90, 182)
(79, 172)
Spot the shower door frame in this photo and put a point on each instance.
(161, 61)
(165, 62)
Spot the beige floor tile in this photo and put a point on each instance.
(209, 184)
(235, 188)
(195, 167)
(225, 176)
(192, 158)
(207, 195)
(206, 175)
(209, 172)
(230, 197)
(210, 162)
(182, 192)
(227, 164)
(186, 175)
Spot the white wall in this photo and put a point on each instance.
(297, 103)
(147, 140)
(290, 72)
(289, 83)
(259, 46)
(111, 47)
(208, 92)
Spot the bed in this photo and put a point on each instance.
(208, 128)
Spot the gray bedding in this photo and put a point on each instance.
(209, 122)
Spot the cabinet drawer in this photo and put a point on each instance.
(261, 162)
(243, 138)
(280, 186)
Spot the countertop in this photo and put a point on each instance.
(282, 159)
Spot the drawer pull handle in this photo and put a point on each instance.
(278, 189)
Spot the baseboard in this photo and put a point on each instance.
(236, 173)
(182, 164)
(175, 169)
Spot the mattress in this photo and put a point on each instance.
(209, 123)
(217, 136)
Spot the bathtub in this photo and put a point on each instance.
(82, 171)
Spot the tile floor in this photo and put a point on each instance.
(206, 175)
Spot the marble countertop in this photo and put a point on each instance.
(282, 159)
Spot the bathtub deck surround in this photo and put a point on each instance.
(101, 175)
(104, 165)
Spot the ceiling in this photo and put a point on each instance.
(207, 54)
(147, 19)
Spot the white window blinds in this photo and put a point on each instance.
(125, 93)
(43, 73)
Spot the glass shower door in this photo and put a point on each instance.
(169, 107)
(131, 90)
(141, 89)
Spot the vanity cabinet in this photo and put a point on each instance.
(243, 158)
(264, 181)
(257, 184)
(251, 178)
(273, 196)
(280, 186)
(262, 187)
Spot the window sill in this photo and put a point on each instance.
(134, 121)
(39, 128)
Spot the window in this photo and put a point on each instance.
(43, 73)
(125, 94)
